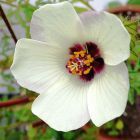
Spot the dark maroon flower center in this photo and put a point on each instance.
(85, 61)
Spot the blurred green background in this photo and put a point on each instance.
(16, 121)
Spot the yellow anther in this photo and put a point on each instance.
(87, 71)
(86, 62)
(82, 54)
(90, 67)
(73, 72)
(91, 60)
(77, 53)
(88, 56)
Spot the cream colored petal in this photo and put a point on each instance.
(64, 106)
(56, 24)
(108, 94)
(108, 32)
(37, 65)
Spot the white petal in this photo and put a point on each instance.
(37, 65)
(108, 32)
(108, 94)
(64, 106)
(56, 24)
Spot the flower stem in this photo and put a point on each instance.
(2, 14)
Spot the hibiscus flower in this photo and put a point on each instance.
(76, 64)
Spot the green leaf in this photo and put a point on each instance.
(2, 134)
(11, 88)
(80, 9)
(13, 135)
(28, 10)
(113, 133)
(119, 124)
(109, 124)
(131, 96)
(70, 135)
(137, 47)
(50, 134)
(90, 134)
(31, 132)
(131, 27)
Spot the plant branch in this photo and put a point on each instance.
(129, 7)
(7, 24)
(17, 101)
(38, 123)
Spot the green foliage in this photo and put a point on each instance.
(113, 4)
(2, 134)
(114, 128)
(137, 2)
(91, 133)
(28, 10)
(134, 74)
(13, 135)
(70, 135)
(131, 27)
(13, 122)
(119, 125)
(131, 96)
(133, 62)
(31, 132)
(113, 132)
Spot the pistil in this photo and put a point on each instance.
(80, 63)
(85, 61)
